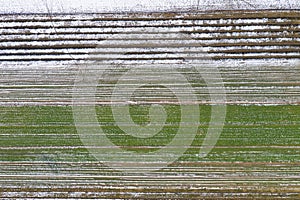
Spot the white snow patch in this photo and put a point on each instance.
(80, 6)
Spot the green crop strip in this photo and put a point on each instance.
(251, 133)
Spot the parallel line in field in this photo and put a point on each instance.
(157, 30)
(154, 25)
(29, 40)
(244, 14)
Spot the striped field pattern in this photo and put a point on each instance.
(257, 54)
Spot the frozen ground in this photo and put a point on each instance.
(75, 6)
(257, 57)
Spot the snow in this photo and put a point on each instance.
(80, 6)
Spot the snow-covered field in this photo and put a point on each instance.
(80, 6)
(247, 47)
